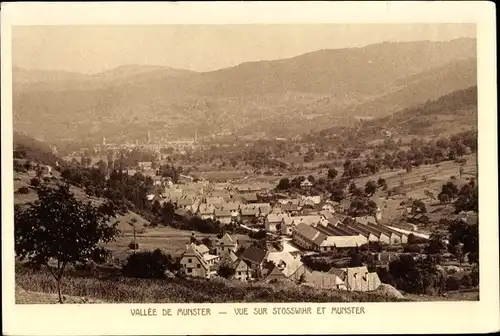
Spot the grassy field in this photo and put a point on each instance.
(130, 290)
(169, 240)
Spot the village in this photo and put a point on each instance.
(293, 227)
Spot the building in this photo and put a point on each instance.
(196, 261)
(357, 279)
(290, 222)
(226, 245)
(254, 258)
(306, 184)
(206, 211)
(145, 165)
(286, 262)
(272, 273)
(223, 216)
(307, 237)
(250, 197)
(272, 222)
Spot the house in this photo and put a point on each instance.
(272, 273)
(306, 184)
(225, 245)
(286, 262)
(272, 222)
(158, 180)
(196, 261)
(223, 216)
(250, 197)
(185, 202)
(291, 208)
(263, 208)
(289, 223)
(326, 214)
(315, 200)
(243, 271)
(154, 197)
(255, 258)
(206, 211)
(357, 278)
(234, 209)
(247, 213)
(328, 206)
(145, 165)
(215, 201)
(323, 280)
(276, 210)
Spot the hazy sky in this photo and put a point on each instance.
(90, 49)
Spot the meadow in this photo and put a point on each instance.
(176, 290)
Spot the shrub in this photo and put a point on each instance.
(35, 182)
(452, 283)
(225, 271)
(23, 190)
(466, 281)
(133, 246)
(149, 265)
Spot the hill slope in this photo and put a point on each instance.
(280, 98)
(28, 148)
(452, 113)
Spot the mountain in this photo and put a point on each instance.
(452, 113)
(283, 97)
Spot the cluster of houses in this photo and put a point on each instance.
(256, 264)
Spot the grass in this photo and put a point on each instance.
(131, 290)
(169, 240)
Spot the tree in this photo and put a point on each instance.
(444, 198)
(467, 199)
(382, 183)
(283, 184)
(148, 265)
(225, 271)
(362, 206)
(332, 173)
(436, 244)
(207, 242)
(419, 206)
(59, 227)
(370, 187)
(338, 194)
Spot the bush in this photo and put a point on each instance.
(23, 190)
(133, 246)
(150, 265)
(35, 182)
(409, 248)
(452, 283)
(466, 281)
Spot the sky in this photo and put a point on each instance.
(91, 49)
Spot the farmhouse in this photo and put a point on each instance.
(223, 216)
(197, 262)
(254, 258)
(225, 245)
(273, 221)
(206, 211)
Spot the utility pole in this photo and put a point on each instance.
(135, 245)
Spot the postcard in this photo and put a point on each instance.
(249, 168)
